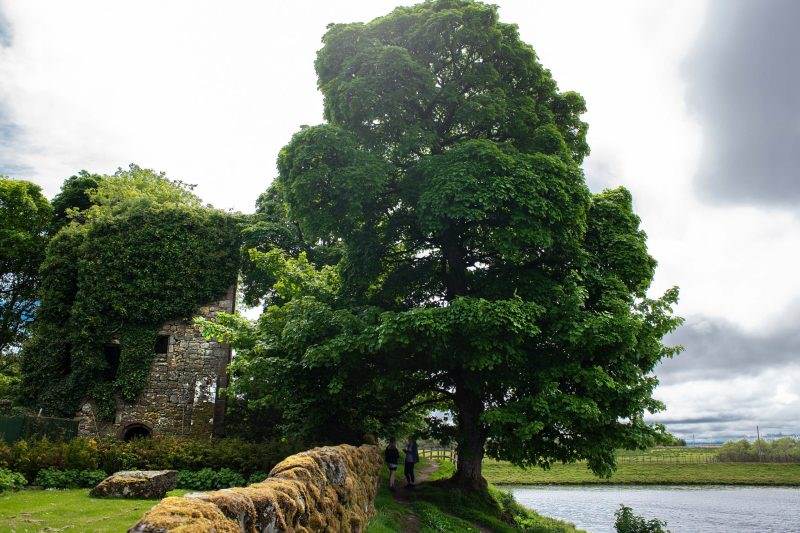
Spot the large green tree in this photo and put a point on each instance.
(478, 272)
(24, 220)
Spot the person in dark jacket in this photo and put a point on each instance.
(412, 458)
(392, 458)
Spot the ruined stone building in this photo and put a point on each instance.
(180, 397)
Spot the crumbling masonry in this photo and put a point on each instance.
(180, 397)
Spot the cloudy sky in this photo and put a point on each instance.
(693, 106)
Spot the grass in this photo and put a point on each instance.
(503, 473)
(435, 507)
(390, 516)
(68, 510)
(669, 454)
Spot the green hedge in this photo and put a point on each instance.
(50, 478)
(111, 455)
(208, 479)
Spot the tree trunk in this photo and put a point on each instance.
(471, 440)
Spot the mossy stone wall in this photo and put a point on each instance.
(331, 488)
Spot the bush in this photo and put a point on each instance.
(257, 477)
(159, 453)
(208, 479)
(10, 480)
(784, 450)
(627, 522)
(51, 478)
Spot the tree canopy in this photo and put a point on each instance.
(25, 217)
(477, 272)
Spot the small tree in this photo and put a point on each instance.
(628, 522)
(478, 272)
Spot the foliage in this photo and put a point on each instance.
(10, 480)
(269, 227)
(786, 449)
(477, 272)
(627, 522)
(143, 253)
(25, 216)
(159, 453)
(50, 478)
(208, 479)
(253, 424)
(73, 198)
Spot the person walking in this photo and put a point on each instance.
(392, 458)
(412, 458)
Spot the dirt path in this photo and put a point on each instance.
(401, 495)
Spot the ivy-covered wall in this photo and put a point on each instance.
(180, 395)
(116, 278)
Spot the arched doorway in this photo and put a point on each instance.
(136, 431)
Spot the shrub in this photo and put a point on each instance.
(208, 479)
(784, 450)
(10, 480)
(159, 453)
(50, 478)
(257, 477)
(627, 522)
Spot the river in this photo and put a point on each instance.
(685, 508)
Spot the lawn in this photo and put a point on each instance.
(69, 510)
(503, 473)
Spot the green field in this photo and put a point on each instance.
(647, 473)
(668, 454)
(68, 510)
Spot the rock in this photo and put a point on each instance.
(147, 484)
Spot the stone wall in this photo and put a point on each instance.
(324, 489)
(180, 397)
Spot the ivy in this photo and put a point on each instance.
(115, 276)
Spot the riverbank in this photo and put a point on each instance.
(435, 507)
(765, 474)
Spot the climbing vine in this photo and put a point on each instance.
(115, 275)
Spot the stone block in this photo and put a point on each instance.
(147, 484)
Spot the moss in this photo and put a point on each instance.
(325, 489)
(186, 515)
(234, 505)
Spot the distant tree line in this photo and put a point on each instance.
(786, 449)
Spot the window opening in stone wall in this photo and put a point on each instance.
(136, 431)
(111, 353)
(162, 344)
